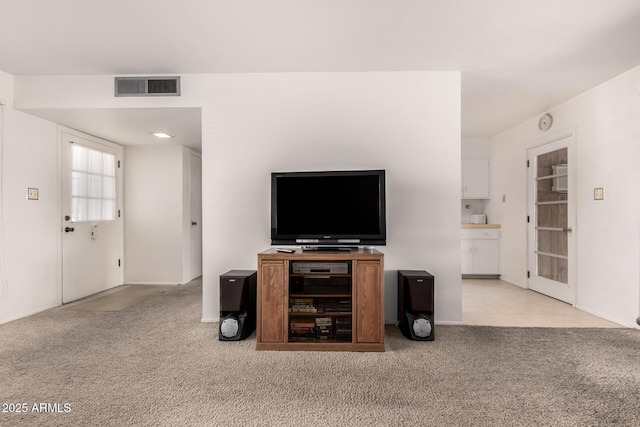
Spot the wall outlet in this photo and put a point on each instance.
(598, 193)
(32, 193)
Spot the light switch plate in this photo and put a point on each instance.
(598, 193)
(32, 193)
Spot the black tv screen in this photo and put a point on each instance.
(341, 208)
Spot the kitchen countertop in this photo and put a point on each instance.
(480, 226)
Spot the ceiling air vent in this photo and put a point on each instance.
(147, 86)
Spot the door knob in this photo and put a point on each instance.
(69, 229)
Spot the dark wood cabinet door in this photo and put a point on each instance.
(271, 295)
(369, 307)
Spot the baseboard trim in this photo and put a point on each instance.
(481, 276)
(607, 317)
(28, 313)
(210, 320)
(513, 282)
(449, 322)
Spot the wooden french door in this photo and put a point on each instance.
(551, 213)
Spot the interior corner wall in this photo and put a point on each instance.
(153, 214)
(606, 125)
(407, 123)
(30, 228)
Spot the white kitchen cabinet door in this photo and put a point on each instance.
(475, 178)
(479, 251)
(467, 257)
(485, 259)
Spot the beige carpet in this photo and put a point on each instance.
(118, 298)
(155, 364)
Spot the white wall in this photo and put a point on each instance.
(476, 146)
(30, 228)
(405, 122)
(6, 101)
(606, 123)
(154, 188)
(6, 89)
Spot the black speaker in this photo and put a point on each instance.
(415, 304)
(237, 304)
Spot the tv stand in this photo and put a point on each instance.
(340, 308)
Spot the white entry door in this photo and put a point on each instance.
(195, 195)
(92, 227)
(551, 220)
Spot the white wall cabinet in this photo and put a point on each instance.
(475, 178)
(480, 251)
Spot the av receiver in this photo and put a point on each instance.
(332, 267)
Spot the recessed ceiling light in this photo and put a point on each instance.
(161, 135)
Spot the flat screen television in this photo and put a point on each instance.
(328, 208)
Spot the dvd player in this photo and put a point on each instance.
(320, 267)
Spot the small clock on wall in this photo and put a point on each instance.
(545, 122)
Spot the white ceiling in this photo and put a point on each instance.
(133, 126)
(518, 58)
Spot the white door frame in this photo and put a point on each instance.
(194, 261)
(569, 135)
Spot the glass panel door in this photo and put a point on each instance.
(551, 216)
(549, 220)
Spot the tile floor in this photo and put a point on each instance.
(497, 303)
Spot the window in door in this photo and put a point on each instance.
(93, 184)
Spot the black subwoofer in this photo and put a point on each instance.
(237, 304)
(416, 304)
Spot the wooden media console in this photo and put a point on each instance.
(321, 300)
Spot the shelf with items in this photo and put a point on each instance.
(316, 304)
(320, 329)
(326, 284)
(320, 304)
